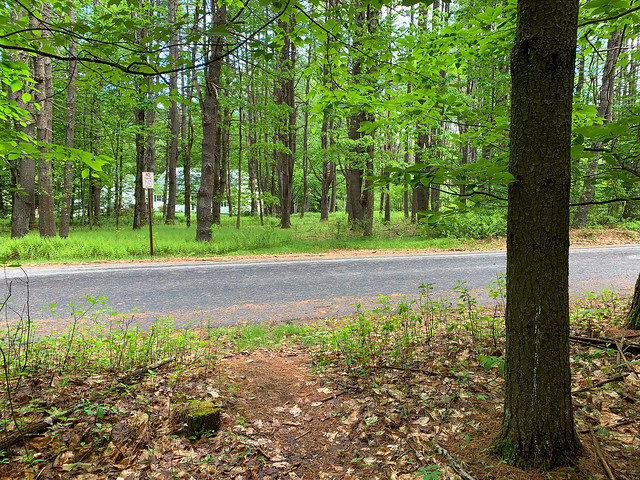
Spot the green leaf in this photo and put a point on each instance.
(16, 85)
(577, 151)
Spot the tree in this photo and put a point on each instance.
(43, 76)
(23, 170)
(174, 118)
(286, 129)
(210, 106)
(70, 125)
(633, 317)
(605, 112)
(537, 426)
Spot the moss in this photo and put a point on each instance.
(538, 457)
(201, 416)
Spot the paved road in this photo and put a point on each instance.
(226, 292)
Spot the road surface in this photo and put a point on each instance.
(227, 292)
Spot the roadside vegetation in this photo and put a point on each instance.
(411, 388)
(469, 231)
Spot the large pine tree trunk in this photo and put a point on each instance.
(139, 209)
(537, 426)
(210, 133)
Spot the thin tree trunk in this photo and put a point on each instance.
(43, 76)
(240, 142)
(174, 119)
(605, 107)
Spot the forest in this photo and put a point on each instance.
(273, 109)
(279, 108)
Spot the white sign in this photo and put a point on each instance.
(147, 179)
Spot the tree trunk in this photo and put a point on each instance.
(537, 425)
(140, 206)
(23, 169)
(604, 111)
(285, 132)
(421, 192)
(43, 76)
(174, 119)
(210, 132)
(633, 317)
(70, 125)
(305, 148)
(240, 144)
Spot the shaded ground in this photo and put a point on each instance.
(292, 413)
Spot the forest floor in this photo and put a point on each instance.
(427, 410)
(426, 406)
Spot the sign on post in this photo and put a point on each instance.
(147, 183)
(147, 179)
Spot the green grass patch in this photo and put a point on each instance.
(307, 235)
(251, 337)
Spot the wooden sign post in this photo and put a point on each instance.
(147, 182)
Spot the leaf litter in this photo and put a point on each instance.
(396, 404)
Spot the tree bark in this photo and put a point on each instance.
(43, 75)
(70, 125)
(633, 317)
(210, 132)
(174, 119)
(286, 130)
(24, 169)
(537, 426)
(140, 205)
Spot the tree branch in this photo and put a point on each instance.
(612, 17)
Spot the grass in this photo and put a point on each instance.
(307, 235)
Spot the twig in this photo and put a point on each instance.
(599, 384)
(623, 359)
(604, 463)
(419, 370)
(457, 466)
(303, 434)
(332, 396)
(604, 342)
(143, 370)
(263, 453)
(621, 423)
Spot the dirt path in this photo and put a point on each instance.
(294, 421)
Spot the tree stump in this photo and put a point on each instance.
(633, 317)
(201, 416)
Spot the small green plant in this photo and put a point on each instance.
(488, 362)
(429, 472)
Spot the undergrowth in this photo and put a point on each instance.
(375, 350)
